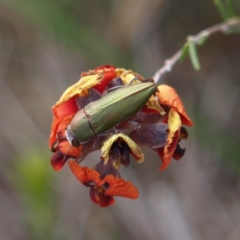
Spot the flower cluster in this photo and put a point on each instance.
(158, 125)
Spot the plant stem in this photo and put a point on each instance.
(231, 25)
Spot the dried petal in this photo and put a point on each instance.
(128, 75)
(84, 174)
(93, 95)
(61, 113)
(153, 136)
(168, 96)
(81, 87)
(102, 190)
(108, 75)
(58, 160)
(119, 187)
(152, 103)
(167, 152)
(100, 198)
(174, 124)
(135, 150)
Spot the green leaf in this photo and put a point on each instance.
(203, 39)
(184, 52)
(221, 8)
(230, 8)
(193, 55)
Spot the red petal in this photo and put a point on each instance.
(168, 96)
(84, 174)
(167, 152)
(109, 75)
(106, 66)
(58, 160)
(119, 187)
(63, 111)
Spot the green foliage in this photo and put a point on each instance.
(225, 8)
(33, 178)
(184, 52)
(232, 25)
(55, 18)
(193, 54)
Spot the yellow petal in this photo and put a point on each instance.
(128, 75)
(135, 150)
(81, 87)
(152, 103)
(174, 124)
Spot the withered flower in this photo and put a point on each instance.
(158, 125)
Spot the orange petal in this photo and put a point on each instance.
(66, 108)
(167, 152)
(84, 174)
(61, 112)
(168, 96)
(174, 125)
(72, 151)
(119, 187)
(59, 124)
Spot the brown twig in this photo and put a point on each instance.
(232, 24)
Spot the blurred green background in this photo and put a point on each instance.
(44, 46)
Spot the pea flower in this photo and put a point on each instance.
(158, 125)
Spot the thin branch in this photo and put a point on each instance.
(232, 25)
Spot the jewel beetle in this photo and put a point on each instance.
(103, 114)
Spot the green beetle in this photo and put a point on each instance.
(105, 113)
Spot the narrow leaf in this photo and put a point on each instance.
(230, 8)
(203, 39)
(194, 55)
(184, 52)
(221, 9)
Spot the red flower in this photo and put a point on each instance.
(102, 190)
(164, 139)
(157, 125)
(176, 116)
(168, 96)
(67, 106)
(62, 148)
(109, 73)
